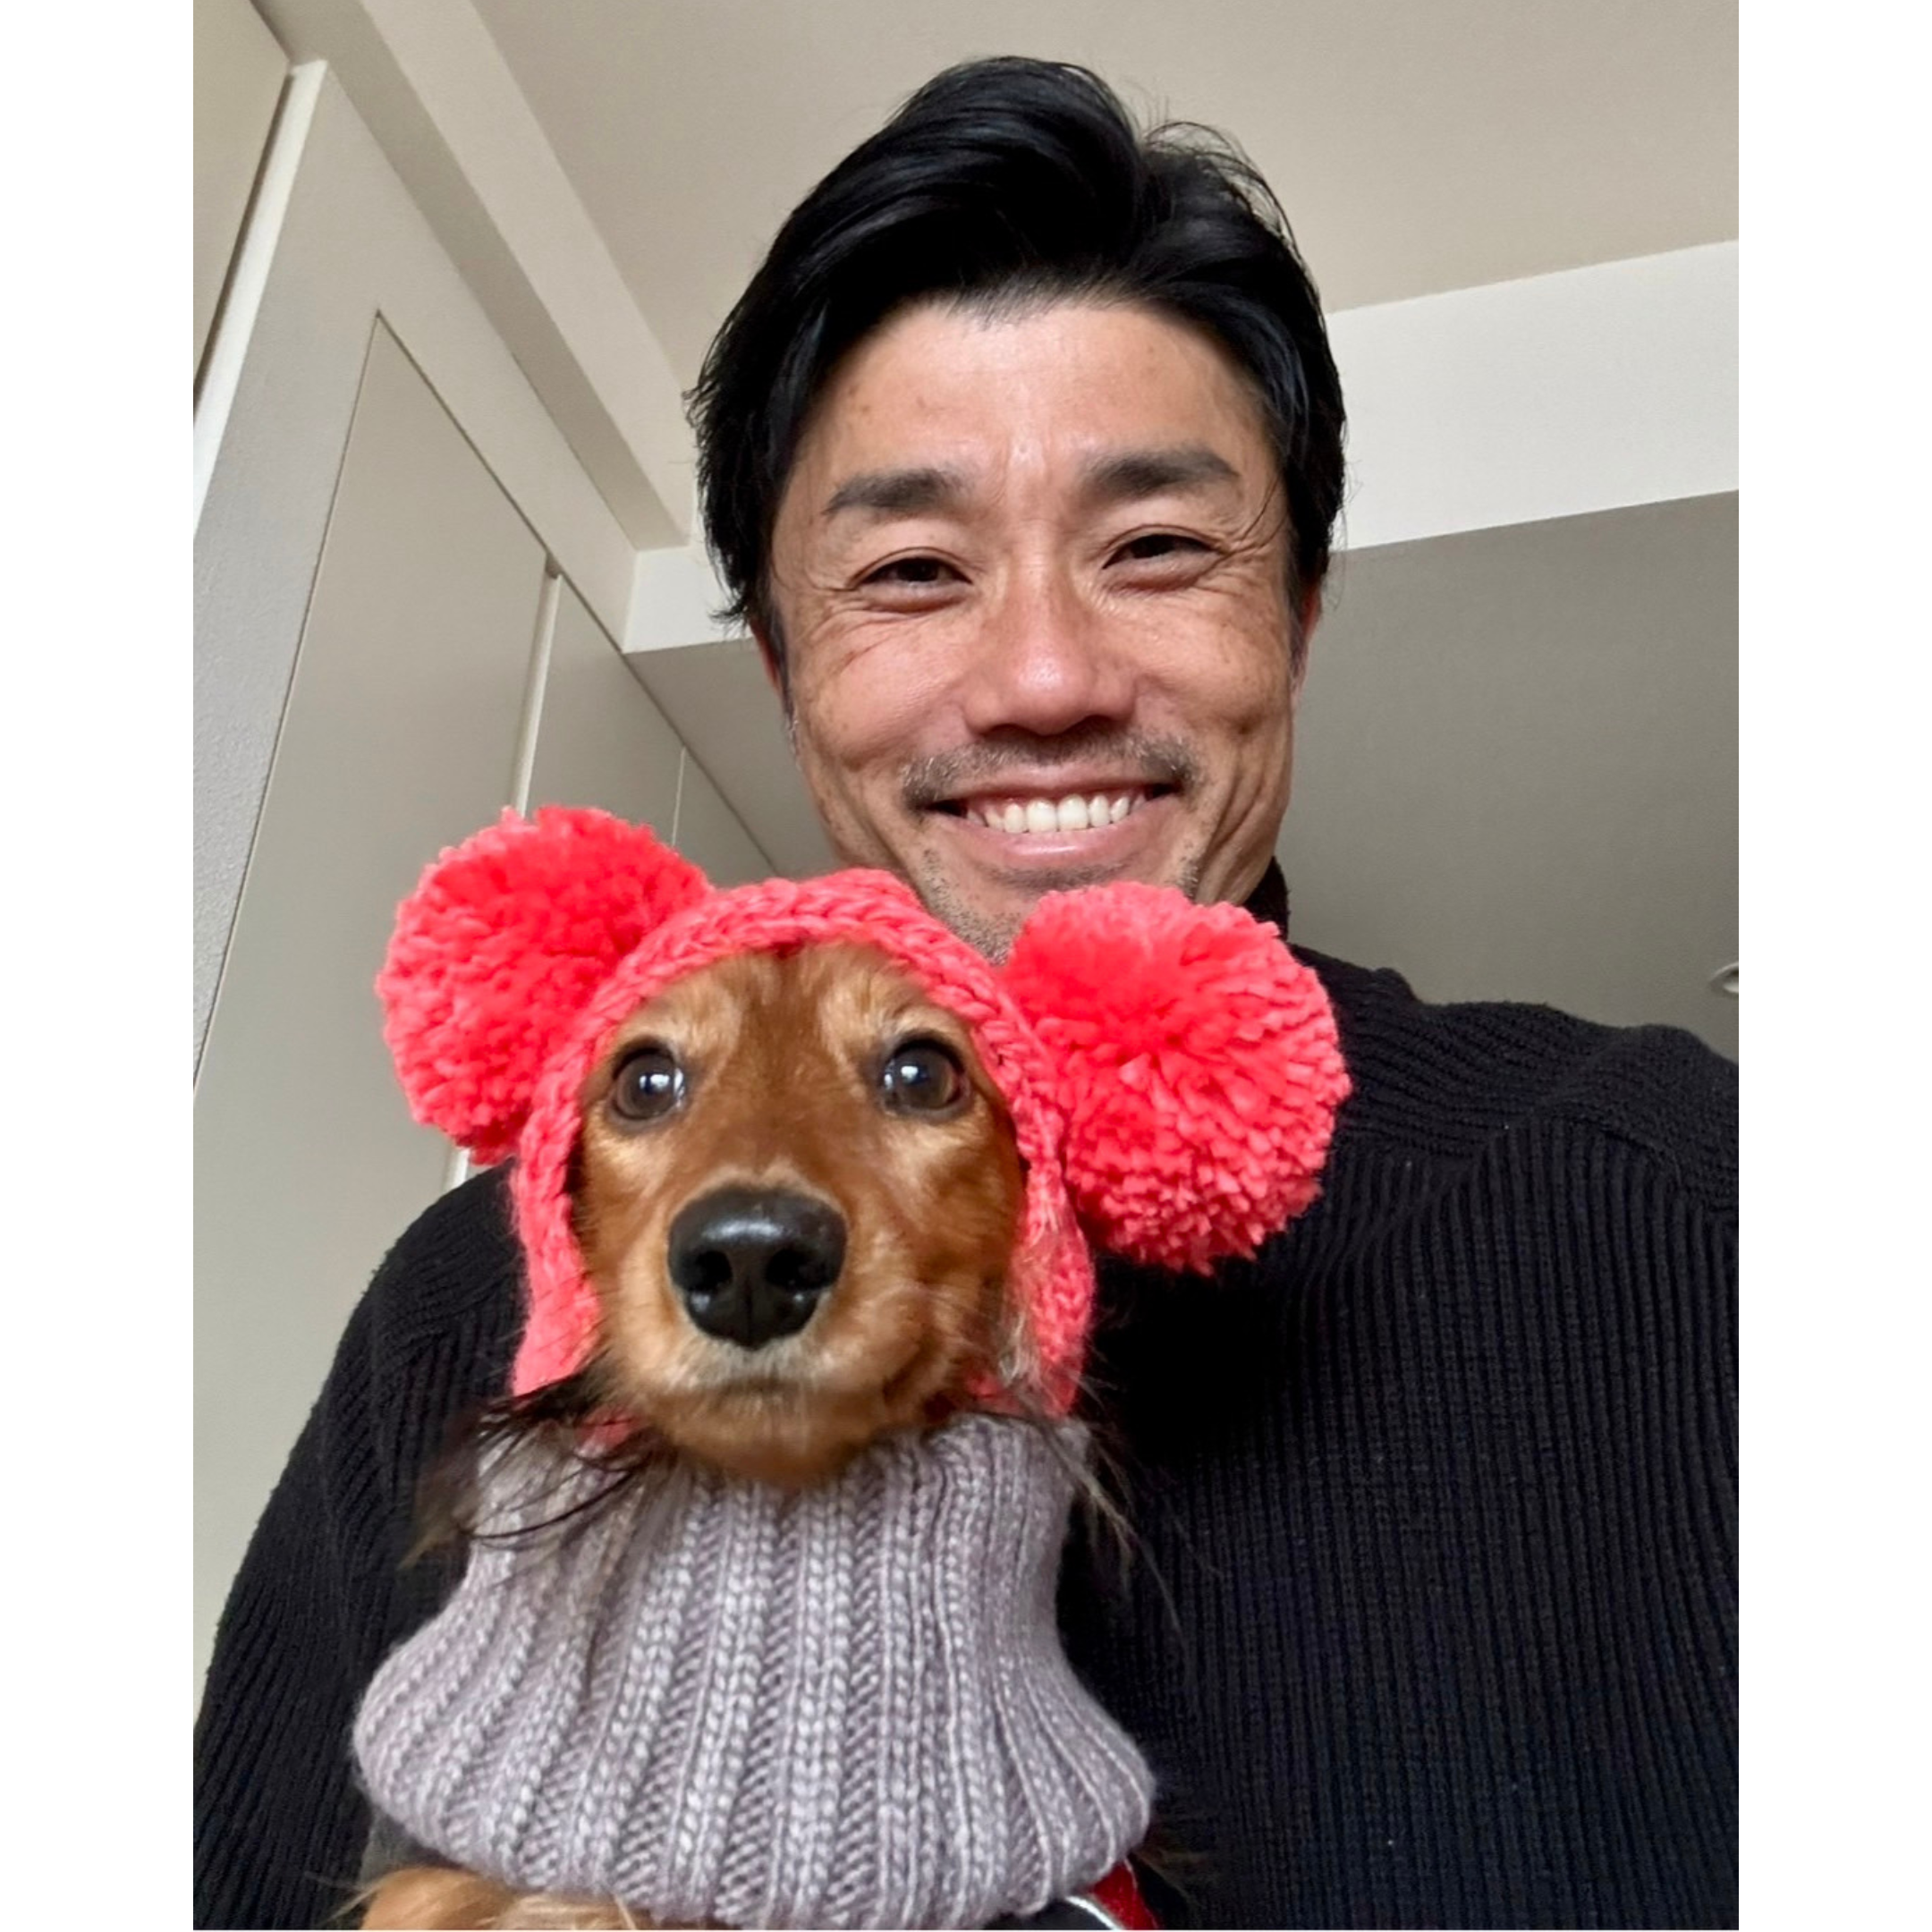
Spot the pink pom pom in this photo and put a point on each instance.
(1200, 1063)
(499, 947)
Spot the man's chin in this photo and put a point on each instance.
(986, 903)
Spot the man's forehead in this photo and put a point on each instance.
(1132, 374)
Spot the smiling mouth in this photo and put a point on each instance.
(1052, 814)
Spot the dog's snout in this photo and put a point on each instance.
(752, 1264)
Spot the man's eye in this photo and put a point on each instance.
(1160, 546)
(917, 570)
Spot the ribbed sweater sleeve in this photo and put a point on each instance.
(322, 1594)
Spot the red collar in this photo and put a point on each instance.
(1118, 1895)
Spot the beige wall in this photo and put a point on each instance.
(406, 596)
(444, 671)
(239, 71)
(1516, 765)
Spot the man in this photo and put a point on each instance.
(1021, 454)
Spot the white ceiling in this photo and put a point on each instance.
(1417, 144)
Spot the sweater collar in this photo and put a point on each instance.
(728, 1704)
(1269, 900)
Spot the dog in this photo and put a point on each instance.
(808, 1193)
(796, 1192)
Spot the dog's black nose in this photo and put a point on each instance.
(753, 1263)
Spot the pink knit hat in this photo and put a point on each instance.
(1172, 1070)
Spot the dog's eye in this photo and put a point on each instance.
(923, 1076)
(648, 1084)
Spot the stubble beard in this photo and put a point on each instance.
(992, 934)
(1158, 759)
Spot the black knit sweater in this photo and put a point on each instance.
(1430, 1615)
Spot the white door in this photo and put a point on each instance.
(406, 592)
(399, 737)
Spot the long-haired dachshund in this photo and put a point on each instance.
(808, 1192)
(796, 1194)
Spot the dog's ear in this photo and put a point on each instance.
(1198, 1063)
(499, 947)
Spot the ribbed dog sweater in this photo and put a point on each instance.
(728, 1705)
(1431, 1619)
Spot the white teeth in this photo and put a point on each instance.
(1072, 813)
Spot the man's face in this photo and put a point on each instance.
(1032, 570)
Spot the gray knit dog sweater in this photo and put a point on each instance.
(727, 1704)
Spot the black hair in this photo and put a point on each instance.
(1013, 180)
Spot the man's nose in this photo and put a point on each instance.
(1044, 661)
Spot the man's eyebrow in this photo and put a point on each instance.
(1125, 474)
(910, 492)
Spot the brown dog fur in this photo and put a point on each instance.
(783, 1057)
